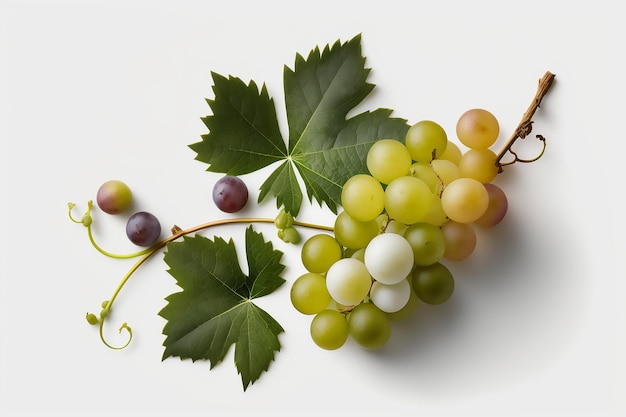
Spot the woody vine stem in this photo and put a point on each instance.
(522, 130)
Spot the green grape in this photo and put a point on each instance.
(497, 208)
(354, 234)
(390, 298)
(319, 252)
(407, 199)
(388, 159)
(363, 197)
(460, 240)
(464, 200)
(389, 258)
(447, 171)
(427, 241)
(433, 284)
(479, 164)
(425, 172)
(394, 226)
(426, 140)
(436, 215)
(369, 326)
(452, 153)
(359, 254)
(477, 128)
(309, 294)
(329, 329)
(348, 281)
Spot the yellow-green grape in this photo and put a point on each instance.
(436, 215)
(464, 200)
(433, 284)
(329, 329)
(425, 172)
(426, 140)
(446, 170)
(389, 258)
(390, 298)
(319, 252)
(363, 197)
(388, 159)
(309, 294)
(427, 241)
(394, 226)
(407, 199)
(352, 233)
(479, 164)
(477, 128)
(348, 281)
(359, 254)
(369, 326)
(460, 240)
(452, 153)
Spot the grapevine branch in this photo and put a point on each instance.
(525, 125)
(144, 255)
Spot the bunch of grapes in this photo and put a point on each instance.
(415, 209)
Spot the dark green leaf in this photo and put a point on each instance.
(325, 147)
(214, 310)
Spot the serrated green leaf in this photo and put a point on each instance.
(324, 146)
(214, 310)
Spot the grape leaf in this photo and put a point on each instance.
(214, 310)
(325, 147)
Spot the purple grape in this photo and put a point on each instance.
(143, 229)
(230, 194)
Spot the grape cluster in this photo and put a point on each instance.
(415, 209)
(142, 228)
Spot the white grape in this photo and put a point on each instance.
(348, 281)
(389, 258)
(390, 298)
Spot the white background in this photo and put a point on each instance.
(94, 90)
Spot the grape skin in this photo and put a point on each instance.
(329, 329)
(230, 194)
(143, 229)
(369, 326)
(114, 197)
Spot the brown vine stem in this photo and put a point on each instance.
(525, 125)
(177, 233)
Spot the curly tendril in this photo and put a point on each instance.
(525, 125)
(145, 254)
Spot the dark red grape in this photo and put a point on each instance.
(230, 194)
(113, 197)
(143, 229)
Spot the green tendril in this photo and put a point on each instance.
(86, 220)
(177, 232)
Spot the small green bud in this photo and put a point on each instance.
(86, 220)
(105, 303)
(291, 235)
(92, 319)
(283, 220)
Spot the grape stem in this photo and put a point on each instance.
(525, 125)
(177, 233)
